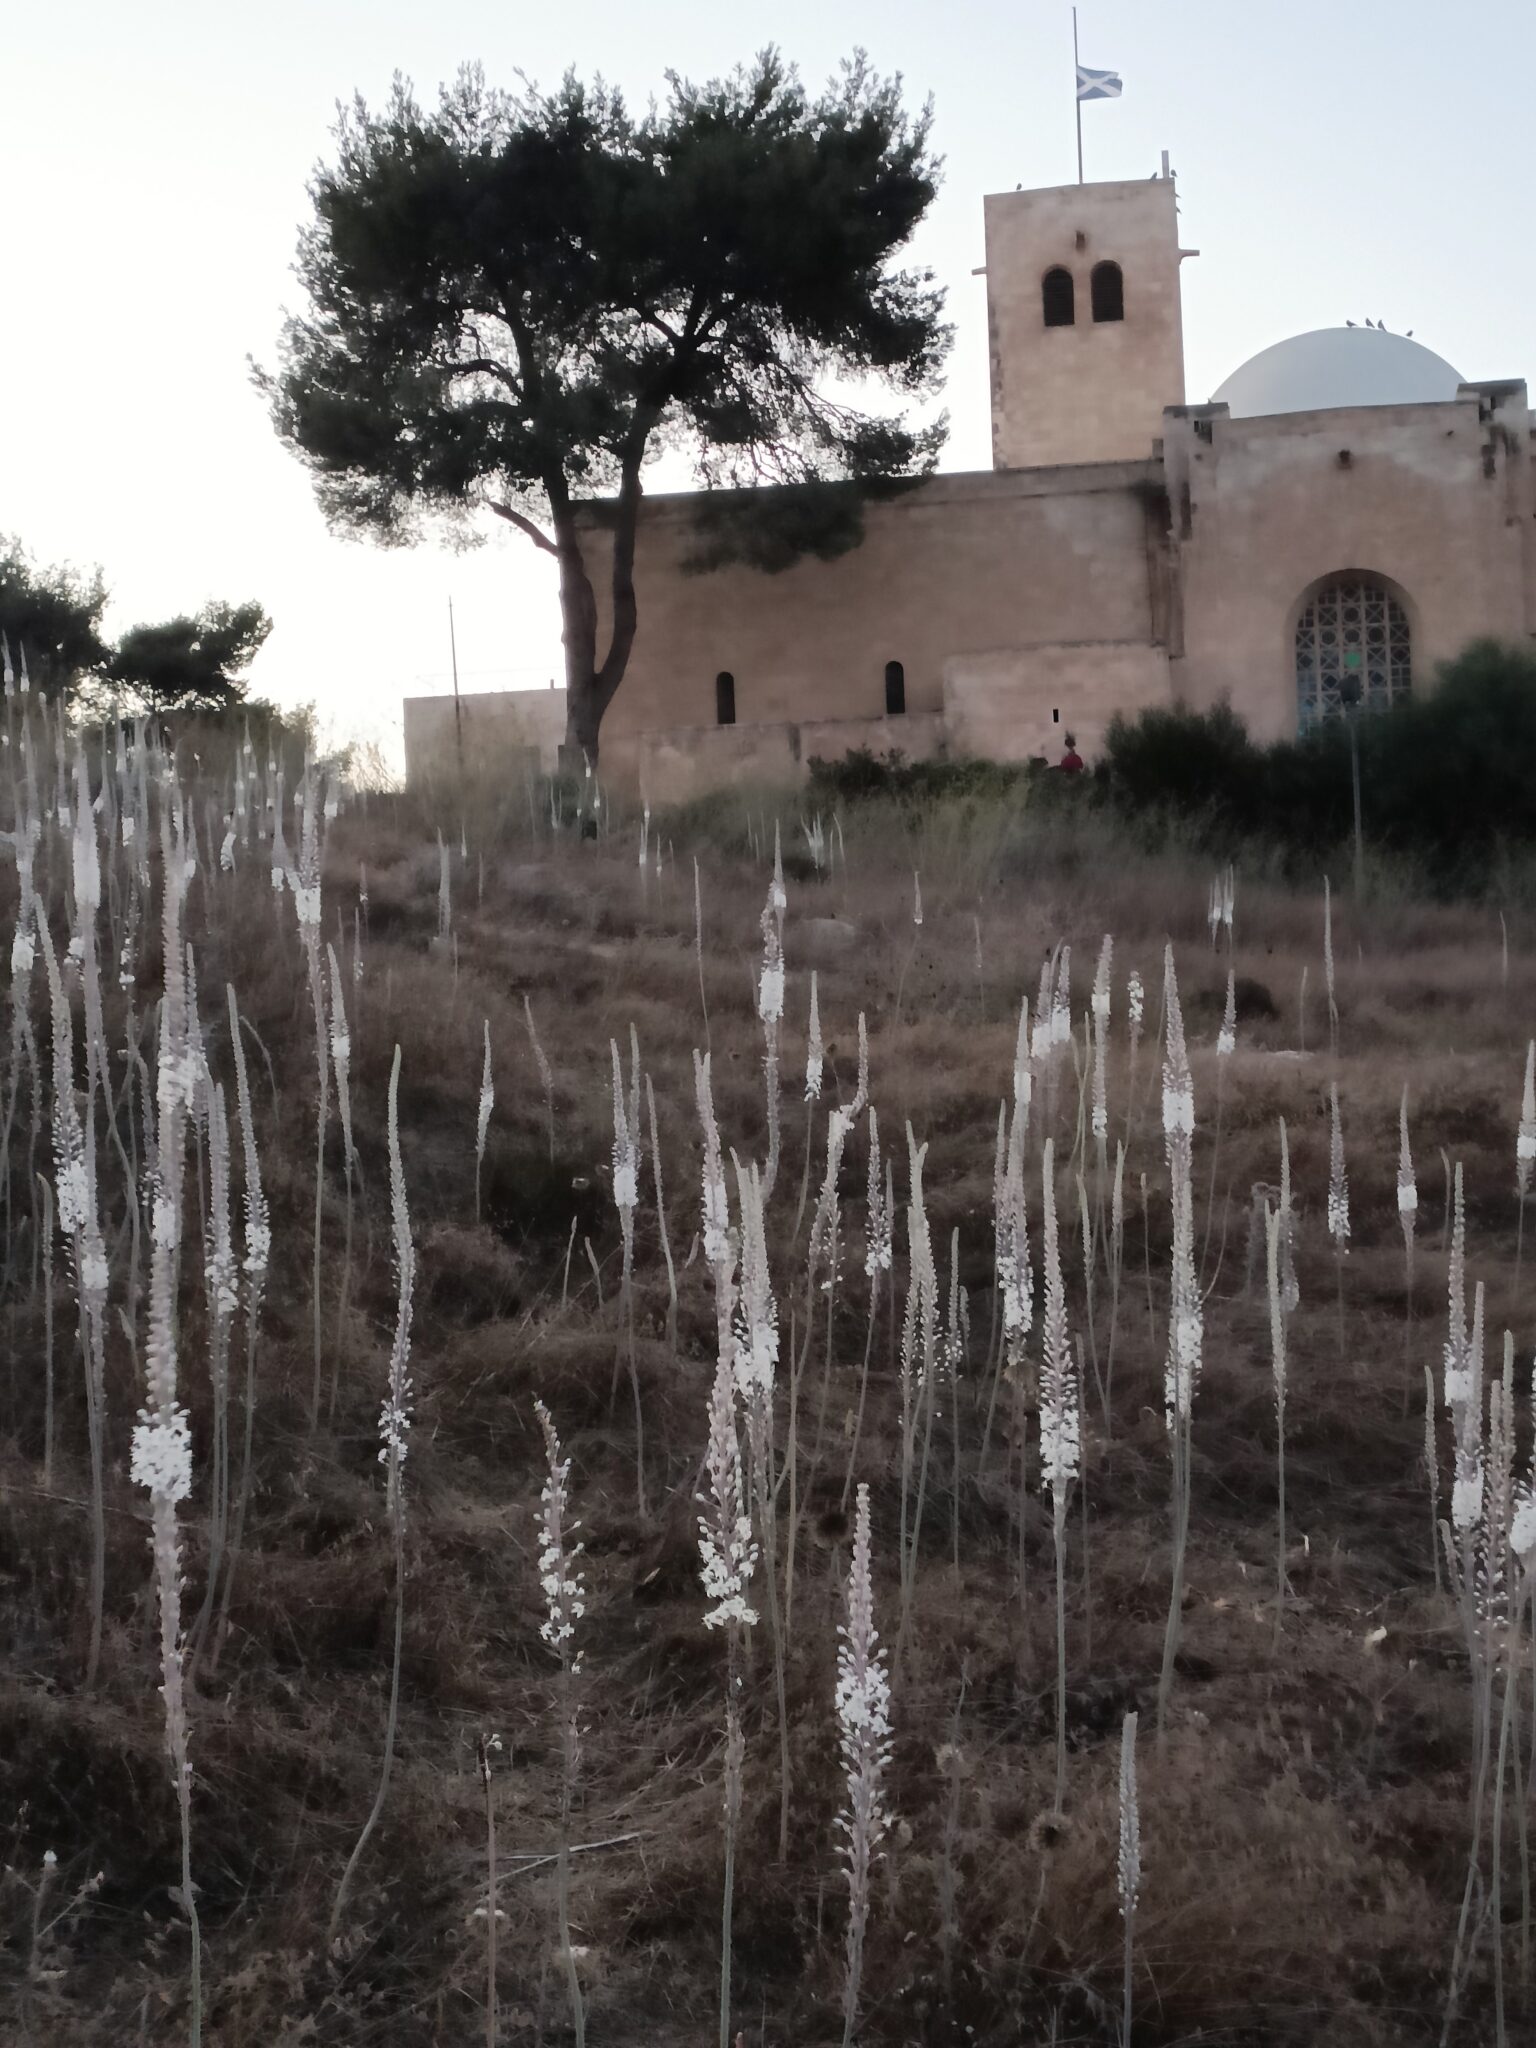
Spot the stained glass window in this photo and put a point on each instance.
(1352, 630)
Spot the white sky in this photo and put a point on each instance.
(1336, 158)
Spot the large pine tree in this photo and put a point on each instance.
(516, 300)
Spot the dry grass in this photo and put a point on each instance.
(1304, 1827)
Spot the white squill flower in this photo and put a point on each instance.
(727, 1553)
(756, 1354)
(1130, 1820)
(1467, 1500)
(72, 1195)
(716, 1216)
(1061, 1000)
(770, 987)
(814, 1054)
(1407, 1187)
(1101, 980)
(1525, 1138)
(877, 1233)
(565, 1597)
(1471, 1461)
(1178, 1083)
(1060, 1420)
(1023, 1062)
(1226, 1037)
(161, 1457)
(626, 1155)
(1338, 1183)
(863, 1701)
(87, 865)
(487, 1097)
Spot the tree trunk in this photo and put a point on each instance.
(590, 688)
(578, 634)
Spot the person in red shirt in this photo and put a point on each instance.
(1071, 760)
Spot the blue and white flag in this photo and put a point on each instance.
(1097, 85)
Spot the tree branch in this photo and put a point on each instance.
(523, 524)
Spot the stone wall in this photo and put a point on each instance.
(1016, 705)
(670, 766)
(505, 732)
(961, 564)
(1436, 499)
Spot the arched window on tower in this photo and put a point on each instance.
(895, 689)
(1056, 298)
(725, 698)
(1108, 289)
(1353, 647)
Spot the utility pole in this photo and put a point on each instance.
(458, 708)
(1352, 695)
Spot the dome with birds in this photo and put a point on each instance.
(1334, 367)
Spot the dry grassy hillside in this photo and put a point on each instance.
(1306, 1808)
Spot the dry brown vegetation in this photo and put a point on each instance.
(1305, 1815)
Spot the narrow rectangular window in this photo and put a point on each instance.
(725, 698)
(895, 689)
(1057, 296)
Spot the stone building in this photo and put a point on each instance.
(1344, 509)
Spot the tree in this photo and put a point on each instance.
(191, 663)
(516, 301)
(51, 619)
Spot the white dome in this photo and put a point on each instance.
(1337, 366)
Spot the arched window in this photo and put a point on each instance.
(1352, 647)
(725, 698)
(895, 689)
(1108, 289)
(1056, 298)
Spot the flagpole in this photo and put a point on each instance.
(1077, 98)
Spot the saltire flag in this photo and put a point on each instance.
(1097, 85)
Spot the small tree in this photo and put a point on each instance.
(51, 617)
(517, 300)
(192, 663)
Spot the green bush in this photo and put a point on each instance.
(1446, 779)
(1199, 765)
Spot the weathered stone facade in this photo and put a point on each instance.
(1127, 549)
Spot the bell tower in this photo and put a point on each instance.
(1084, 323)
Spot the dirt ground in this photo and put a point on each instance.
(1306, 1806)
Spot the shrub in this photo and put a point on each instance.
(862, 773)
(1197, 764)
(1445, 778)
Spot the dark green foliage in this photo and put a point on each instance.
(51, 618)
(191, 663)
(1452, 776)
(517, 299)
(865, 774)
(772, 530)
(1196, 764)
(1446, 778)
